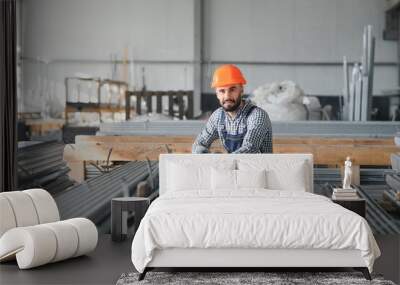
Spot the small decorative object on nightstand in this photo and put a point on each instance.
(347, 196)
(346, 192)
(347, 174)
(138, 205)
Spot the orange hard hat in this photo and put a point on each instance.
(227, 74)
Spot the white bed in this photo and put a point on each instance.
(267, 218)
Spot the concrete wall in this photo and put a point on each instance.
(79, 36)
(296, 31)
(270, 39)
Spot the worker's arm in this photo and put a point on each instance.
(207, 135)
(258, 129)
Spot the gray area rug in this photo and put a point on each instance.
(225, 278)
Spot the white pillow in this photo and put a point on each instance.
(294, 178)
(189, 176)
(237, 179)
(251, 178)
(282, 174)
(223, 179)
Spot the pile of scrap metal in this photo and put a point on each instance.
(41, 165)
(392, 195)
(92, 198)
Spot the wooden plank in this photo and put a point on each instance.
(171, 105)
(326, 151)
(336, 154)
(323, 154)
(138, 104)
(149, 102)
(40, 127)
(181, 106)
(190, 112)
(77, 172)
(276, 140)
(123, 152)
(159, 104)
(334, 141)
(132, 139)
(127, 106)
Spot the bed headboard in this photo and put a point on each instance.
(284, 160)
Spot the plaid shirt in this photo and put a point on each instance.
(258, 138)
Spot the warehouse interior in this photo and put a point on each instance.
(93, 91)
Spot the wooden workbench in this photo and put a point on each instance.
(326, 151)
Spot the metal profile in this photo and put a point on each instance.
(41, 165)
(371, 129)
(91, 199)
(379, 219)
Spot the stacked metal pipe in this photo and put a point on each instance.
(380, 221)
(92, 198)
(368, 176)
(357, 93)
(393, 193)
(41, 165)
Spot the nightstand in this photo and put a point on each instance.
(357, 205)
(138, 205)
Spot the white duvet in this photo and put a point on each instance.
(254, 218)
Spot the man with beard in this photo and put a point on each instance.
(241, 126)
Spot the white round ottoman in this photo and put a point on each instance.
(31, 232)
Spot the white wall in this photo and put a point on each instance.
(78, 36)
